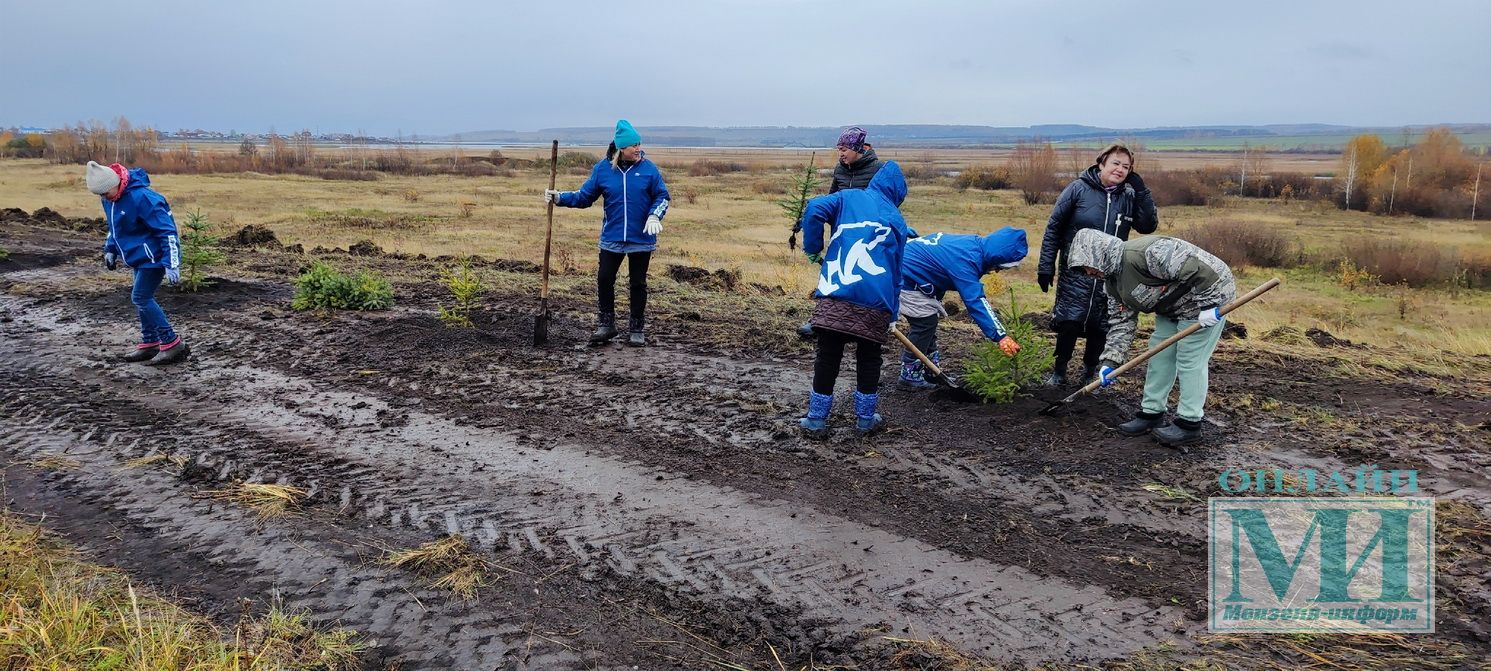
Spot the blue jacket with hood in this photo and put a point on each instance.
(862, 264)
(142, 232)
(941, 261)
(632, 194)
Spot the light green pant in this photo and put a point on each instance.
(1187, 360)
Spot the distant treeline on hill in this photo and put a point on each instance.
(1294, 137)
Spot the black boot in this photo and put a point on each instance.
(1057, 376)
(1089, 373)
(1142, 423)
(171, 353)
(635, 337)
(605, 328)
(806, 331)
(1182, 432)
(142, 352)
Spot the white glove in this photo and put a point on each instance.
(551, 196)
(654, 225)
(1209, 318)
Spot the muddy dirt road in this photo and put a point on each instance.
(655, 507)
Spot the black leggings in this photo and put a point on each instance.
(1067, 334)
(636, 269)
(867, 360)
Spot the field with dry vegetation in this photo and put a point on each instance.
(421, 475)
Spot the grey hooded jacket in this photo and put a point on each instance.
(1157, 274)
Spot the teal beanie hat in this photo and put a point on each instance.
(626, 136)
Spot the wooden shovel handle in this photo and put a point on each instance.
(1175, 338)
(543, 291)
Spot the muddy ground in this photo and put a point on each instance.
(655, 507)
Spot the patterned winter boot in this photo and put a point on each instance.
(815, 425)
(869, 421)
(913, 373)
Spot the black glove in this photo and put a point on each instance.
(1045, 281)
(1135, 181)
(110, 261)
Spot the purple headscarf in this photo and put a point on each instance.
(853, 137)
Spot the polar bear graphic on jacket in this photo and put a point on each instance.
(857, 259)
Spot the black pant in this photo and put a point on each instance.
(923, 333)
(867, 360)
(1067, 334)
(636, 269)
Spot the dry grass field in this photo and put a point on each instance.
(732, 221)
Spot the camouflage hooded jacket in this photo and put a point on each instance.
(1156, 274)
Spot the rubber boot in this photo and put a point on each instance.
(1182, 432)
(806, 331)
(144, 351)
(173, 352)
(868, 421)
(815, 425)
(605, 328)
(1142, 423)
(913, 373)
(1055, 378)
(1089, 373)
(635, 337)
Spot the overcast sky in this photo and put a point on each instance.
(438, 67)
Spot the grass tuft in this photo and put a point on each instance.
(157, 458)
(54, 463)
(448, 564)
(60, 612)
(269, 501)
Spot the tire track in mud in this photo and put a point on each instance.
(563, 504)
(321, 572)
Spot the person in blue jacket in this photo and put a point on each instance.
(859, 290)
(935, 263)
(142, 236)
(636, 200)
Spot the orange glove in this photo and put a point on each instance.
(1009, 346)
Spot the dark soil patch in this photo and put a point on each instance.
(719, 279)
(254, 235)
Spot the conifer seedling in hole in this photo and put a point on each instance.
(465, 286)
(198, 252)
(1001, 379)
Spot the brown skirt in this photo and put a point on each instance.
(859, 321)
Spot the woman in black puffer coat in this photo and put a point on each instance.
(1108, 197)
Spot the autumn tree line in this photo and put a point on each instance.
(1434, 177)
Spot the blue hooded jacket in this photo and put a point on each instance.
(141, 231)
(941, 261)
(631, 195)
(863, 261)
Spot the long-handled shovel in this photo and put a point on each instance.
(541, 321)
(955, 391)
(1051, 409)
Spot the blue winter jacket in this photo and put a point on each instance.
(141, 231)
(631, 195)
(863, 261)
(941, 261)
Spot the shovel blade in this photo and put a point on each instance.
(541, 328)
(1051, 409)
